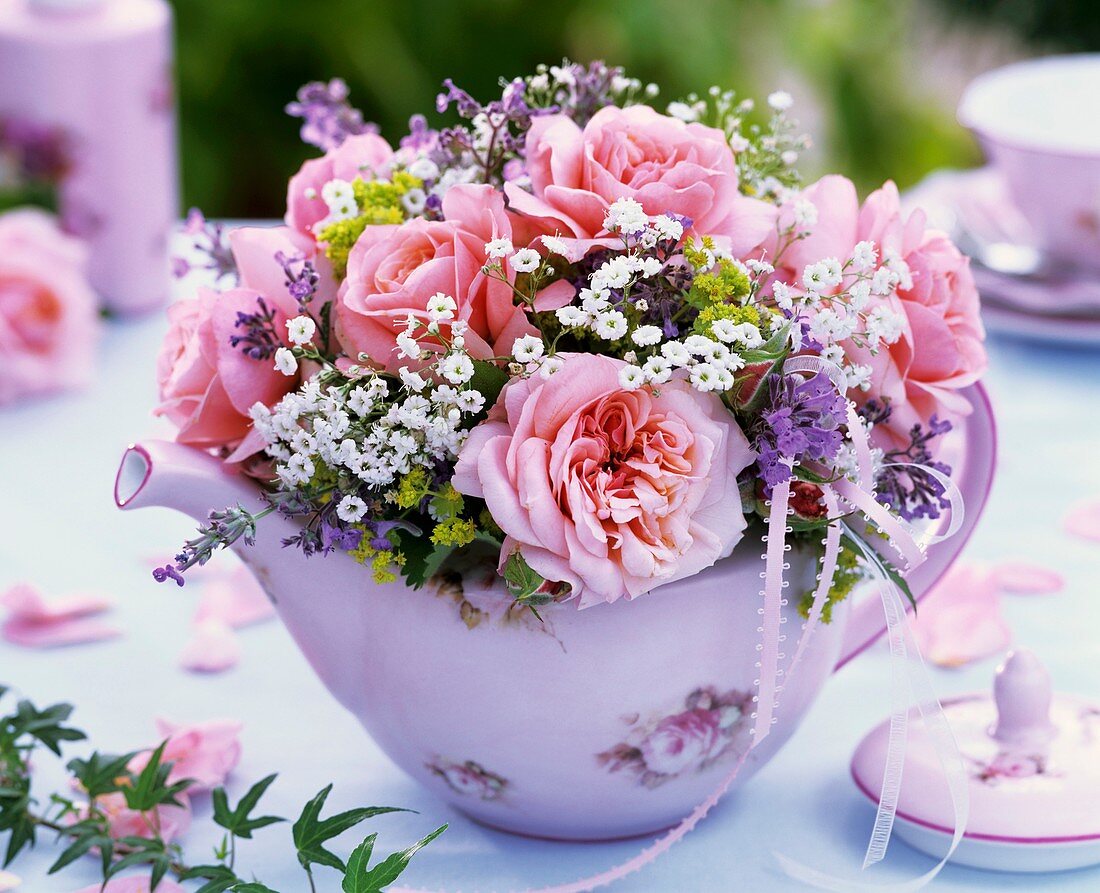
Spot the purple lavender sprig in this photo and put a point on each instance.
(260, 339)
(327, 117)
(209, 250)
(902, 483)
(301, 278)
(223, 529)
(801, 423)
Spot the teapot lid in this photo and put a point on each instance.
(1032, 757)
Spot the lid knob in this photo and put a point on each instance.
(1022, 691)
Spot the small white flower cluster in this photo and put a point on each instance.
(376, 427)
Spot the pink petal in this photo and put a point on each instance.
(960, 620)
(9, 881)
(56, 633)
(235, 599)
(212, 648)
(26, 602)
(1021, 577)
(1083, 519)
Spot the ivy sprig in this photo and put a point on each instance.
(85, 829)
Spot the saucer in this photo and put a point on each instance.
(1058, 305)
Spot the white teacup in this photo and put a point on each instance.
(1039, 124)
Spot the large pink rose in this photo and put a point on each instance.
(207, 385)
(661, 162)
(366, 155)
(681, 742)
(613, 492)
(395, 270)
(48, 312)
(941, 348)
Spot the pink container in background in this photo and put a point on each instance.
(100, 72)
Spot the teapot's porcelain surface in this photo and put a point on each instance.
(608, 722)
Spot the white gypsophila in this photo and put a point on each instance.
(285, 361)
(676, 353)
(683, 111)
(704, 377)
(739, 143)
(823, 275)
(408, 346)
(646, 336)
(759, 267)
(631, 378)
(572, 317)
(611, 325)
(300, 329)
(667, 228)
(595, 300)
(412, 380)
(780, 100)
(805, 213)
(789, 157)
(414, 201)
(884, 281)
(657, 370)
(556, 246)
(550, 365)
(883, 324)
(470, 401)
(457, 368)
(618, 272)
(864, 256)
(699, 345)
(424, 169)
(339, 197)
(858, 376)
(829, 325)
(527, 348)
(351, 509)
(834, 353)
(859, 295)
(441, 306)
(526, 260)
(893, 261)
(784, 295)
(499, 248)
(626, 215)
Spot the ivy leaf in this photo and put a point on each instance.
(46, 726)
(252, 887)
(422, 556)
(100, 773)
(359, 879)
(239, 822)
(219, 878)
(21, 828)
(311, 832)
(150, 788)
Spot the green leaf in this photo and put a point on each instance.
(422, 557)
(488, 379)
(252, 887)
(22, 835)
(150, 788)
(523, 583)
(101, 774)
(901, 583)
(45, 726)
(238, 822)
(358, 879)
(219, 878)
(74, 851)
(311, 832)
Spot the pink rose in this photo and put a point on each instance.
(395, 270)
(122, 821)
(205, 752)
(612, 491)
(681, 742)
(366, 155)
(48, 312)
(207, 385)
(661, 162)
(940, 350)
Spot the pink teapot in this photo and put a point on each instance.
(603, 723)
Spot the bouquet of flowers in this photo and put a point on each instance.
(587, 336)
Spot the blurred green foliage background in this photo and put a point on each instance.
(876, 81)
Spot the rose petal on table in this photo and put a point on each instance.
(212, 648)
(9, 881)
(1083, 519)
(960, 620)
(27, 602)
(235, 599)
(204, 752)
(56, 633)
(1022, 577)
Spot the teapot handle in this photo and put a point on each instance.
(866, 622)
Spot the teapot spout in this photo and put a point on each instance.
(171, 475)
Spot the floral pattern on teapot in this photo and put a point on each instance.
(709, 726)
(468, 778)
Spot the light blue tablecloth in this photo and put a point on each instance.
(60, 529)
